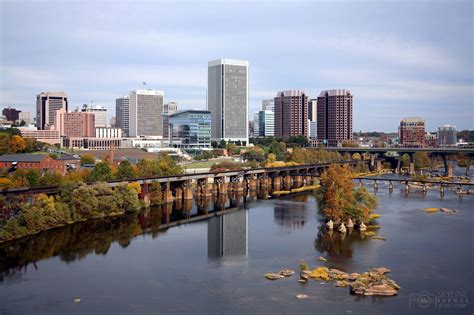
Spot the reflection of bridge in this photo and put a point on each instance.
(379, 152)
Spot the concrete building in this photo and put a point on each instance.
(108, 133)
(122, 114)
(75, 124)
(11, 114)
(268, 104)
(334, 117)
(168, 109)
(312, 109)
(291, 113)
(25, 116)
(313, 131)
(46, 136)
(412, 132)
(227, 99)
(146, 113)
(190, 129)
(266, 120)
(447, 136)
(100, 114)
(47, 103)
(92, 143)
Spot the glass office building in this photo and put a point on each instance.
(190, 129)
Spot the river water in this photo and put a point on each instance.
(216, 265)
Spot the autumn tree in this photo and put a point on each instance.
(125, 171)
(101, 173)
(17, 144)
(87, 159)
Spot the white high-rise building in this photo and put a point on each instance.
(256, 124)
(266, 120)
(100, 114)
(268, 104)
(227, 99)
(146, 113)
(122, 114)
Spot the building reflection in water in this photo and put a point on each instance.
(292, 214)
(227, 235)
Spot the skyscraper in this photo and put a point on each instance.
(168, 109)
(227, 99)
(47, 103)
(291, 113)
(146, 113)
(268, 104)
(122, 114)
(312, 105)
(266, 120)
(334, 116)
(447, 136)
(256, 124)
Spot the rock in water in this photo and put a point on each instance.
(273, 276)
(77, 300)
(321, 258)
(378, 237)
(330, 225)
(362, 227)
(350, 224)
(301, 296)
(380, 270)
(340, 283)
(380, 289)
(286, 272)
(342, 228)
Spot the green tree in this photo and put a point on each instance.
(87, 159)
(125, 170)
(222, 144)
(421, 160)
(254, 153)
(231, 148)
(51, 178)
(101, 173)
(127, 197)
(33, 178)
(156, 196)
(167, 166)
(106, 200)
(214, 144)
(84, 201)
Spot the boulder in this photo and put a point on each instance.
(350, 224)
(342, 228)
(362, 227)
(301, 296)
(273, 276)
(330, 225)
(321, 258)
(286, 272)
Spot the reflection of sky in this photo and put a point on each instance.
(227, 235)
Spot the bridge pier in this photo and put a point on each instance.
(287, 182)
(298, 181)
(277, 183)
(168, 194)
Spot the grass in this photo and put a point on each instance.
(203, 164)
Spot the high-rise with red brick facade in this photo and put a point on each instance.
(75, 124)
(334, 117)
(291, 113)
(412, 132)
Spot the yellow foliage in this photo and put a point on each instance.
(5, 183)
(320, 273)
(431, 210)
(136, 187)
(374, 216)
(281, 192)
(275, 164)
(369, 233)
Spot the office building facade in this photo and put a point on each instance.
(122, 114)
(168, 109)
(334, 117)
(47, 103)
(227, 99)
(75, 124)
(447, 136)
(190, 129)
(291, 113)
(412, 133)
(11, 114)
(266, 120)
(146, 113)
(268, 104)
(312, 109)
(100, 114)
(25, 116)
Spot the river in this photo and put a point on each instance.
(216, 265)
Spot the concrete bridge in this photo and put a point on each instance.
(375, 153)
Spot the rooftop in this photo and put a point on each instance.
(290, 93)
(36, 158)
(335, 92)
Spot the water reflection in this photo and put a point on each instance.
(291, 216)
(227, 235)
(336, 244)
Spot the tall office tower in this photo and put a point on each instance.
(268, 104)
(168, 109)
(412, 132)
(227, 99)
(447, 136)
(75, 124)
(47, 103)
(291, 113)
(122, 114)
(146, 113)
(312, 108)
(266, 120)
(334, 117)
(256, 125)
(24, 116)
(100, 113)
(11, 114)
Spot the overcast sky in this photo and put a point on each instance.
(398, 58)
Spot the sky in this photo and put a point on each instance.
(398, 58)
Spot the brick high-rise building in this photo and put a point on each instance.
(412, 132)
(75, 124)
(291, 113)
(334, 117)
(47, 103)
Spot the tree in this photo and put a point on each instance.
(205, 155)
(167, 166)
(33, 178)
(84, 201)
(231, 148)
(125, 171)
(254, 153)
(356, 156)
(214, 144)
(106, 200)
(87, 159)
(301, 141)
(51, 178)
(127, 197)
(421, 160)
(156, 195)
(101, 173)
(5, 183)
(349, 144)
(17, 144)
(222, 144)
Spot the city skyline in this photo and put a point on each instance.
(396, 58)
